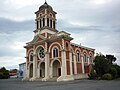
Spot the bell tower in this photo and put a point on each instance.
(45, 19)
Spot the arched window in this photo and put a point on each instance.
(66, 44)
(85, 57)
(90, 59)
(43, 22)
(51, 23)
(55, 52)
(54, 24)
(31, 57)
(37, 24)
(48, 22)
(78, 57)
(40, 23)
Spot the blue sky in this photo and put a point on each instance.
(94, 23)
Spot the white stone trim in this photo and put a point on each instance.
(70, 57)
(84, 51)
(64, 66)
(53, 44)
(46, 67)
(37, 48)
(78, 50)
(37, 51)
(75, 66)
(29, 51)
(48, 31)
(83, 70)
(63, 44)
(29, 57)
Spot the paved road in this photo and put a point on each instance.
(17, 84)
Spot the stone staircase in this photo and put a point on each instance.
(53, 79)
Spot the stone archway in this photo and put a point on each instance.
(31, 70)
(56, 68)
(42, 69)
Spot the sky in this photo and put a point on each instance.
(93, 23)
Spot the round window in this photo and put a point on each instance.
(41, 52)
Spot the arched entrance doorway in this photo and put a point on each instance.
(42, 69)
(31, 70)
(56, 68)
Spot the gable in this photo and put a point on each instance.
(37, 38)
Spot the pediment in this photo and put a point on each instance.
(37, 38)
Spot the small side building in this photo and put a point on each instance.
(22, 70)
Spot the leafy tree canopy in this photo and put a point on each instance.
(111, 58)
(102, 65)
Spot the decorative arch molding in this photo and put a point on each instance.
(66, 42)
(28, 66)
(91, 57)
(29, 51)
(72, 49)
(54, 44)
(85, 56)
(78, 54)
(84, 51)
(37, 48)
(90, 53)
(56, 52)
(40, 63)
(51, 64)
(29, 56)
(77, 49)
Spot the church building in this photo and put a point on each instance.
(52, 55)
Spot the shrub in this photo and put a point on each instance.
(97, 78)
(117, 67)
(107, 76)
(113, 72)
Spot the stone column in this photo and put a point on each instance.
(27, 69)
(82, 62)
(75, 66)
(70, 58)
(45, 20)
(46, 66)
(88, 58)
(46, 63)
(34, 66)
(64, 67)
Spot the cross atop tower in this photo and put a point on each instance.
(45, 1)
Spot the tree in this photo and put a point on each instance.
(101, 65)
(117, 67)
(4, 74)
(111, 58)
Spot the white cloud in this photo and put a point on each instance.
(11, 61)
(12, 51)
(101, 41)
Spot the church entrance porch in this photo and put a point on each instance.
(31, 70)
(42, 69)
(56, 69)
